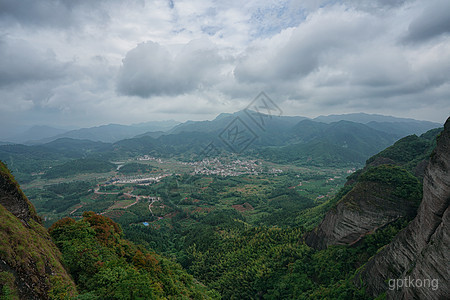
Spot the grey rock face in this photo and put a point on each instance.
(420, 254)
(366, 208)
(12, 200)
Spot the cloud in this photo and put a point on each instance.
(327, 32)
(51, 13)
(21, 62)
(342, 59)
(151, 70)
(374, 5)
(433, 21)
(94, 62)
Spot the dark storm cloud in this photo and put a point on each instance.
(21, 62)
(432, 22)
(150, 70)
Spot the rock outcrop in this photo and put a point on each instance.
(13, 199)
(30, 263)
(386, 189)
(415, 265)
(368, 206)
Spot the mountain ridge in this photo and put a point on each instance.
(276, 138)
(385, 191)
(421, 251)
(365, 118)
(372, 195)
(107, 133)
(30, 263)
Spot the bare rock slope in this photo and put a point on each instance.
(374, 202)
(419, 254)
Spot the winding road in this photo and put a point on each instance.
(129, 194)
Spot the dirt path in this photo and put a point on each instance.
(129, 205)
(76, 208)
(129, 194)
(154, 199)
(97, 191)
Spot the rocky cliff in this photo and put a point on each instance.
(387, 189)
(380, 196)
(415, 265)
(30, 263)
(13, 199)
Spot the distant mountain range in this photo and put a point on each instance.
(283, 139)
(34, 133)
(273, 127)
(400, 127)
(113, 132)
(397, 127)
(105, 133)
(363, 118)
(329, 144)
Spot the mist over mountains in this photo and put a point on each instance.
(334, 141)
(105, 133)
(41, 134)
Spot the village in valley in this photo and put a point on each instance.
(158, 188)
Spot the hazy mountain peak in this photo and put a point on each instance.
(222, 115)
(36, 132)
(364, 118)
(111, 132)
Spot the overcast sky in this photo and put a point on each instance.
(85, 63)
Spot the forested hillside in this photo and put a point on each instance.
(230, 228)
(236, 150)
(285, 140)
(105, 265)
(30, 264)
(100, 261)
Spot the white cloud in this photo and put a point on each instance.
(107, 61)
(325, 35)
(151, 70)
(21, 63)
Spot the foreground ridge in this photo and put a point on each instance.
(415, 263)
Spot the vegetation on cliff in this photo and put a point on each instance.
(106, 266)
(241, 237)
(409, 151)
(403, 183)
(420, 251)
(30, 263)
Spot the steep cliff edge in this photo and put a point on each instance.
(387, 189)
(13, 199)
(381, 195)
(30, 263)
(415, 265)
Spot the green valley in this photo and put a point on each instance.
(235, 150)
(231, 226)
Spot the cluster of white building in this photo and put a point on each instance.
(145, 180)
(237, 167)
(148, 157)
